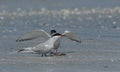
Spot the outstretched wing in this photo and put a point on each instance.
(72, 36)
(33, 35)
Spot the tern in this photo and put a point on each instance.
(53, 40)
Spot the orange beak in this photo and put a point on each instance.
(62, 35)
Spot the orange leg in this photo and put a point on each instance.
(56, 53)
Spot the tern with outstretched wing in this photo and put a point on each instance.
(53, 41)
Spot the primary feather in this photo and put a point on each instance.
(33, 35)
(72, 36)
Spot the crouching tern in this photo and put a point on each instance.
(53, 40)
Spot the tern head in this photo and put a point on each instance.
(52, 31)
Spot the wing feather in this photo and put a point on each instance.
(72, 36)
(33, 35)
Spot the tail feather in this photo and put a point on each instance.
(20, 50)
(29, 49)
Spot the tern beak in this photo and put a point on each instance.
(62, 35)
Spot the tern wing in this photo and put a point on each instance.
(33, 35)
(72, 36)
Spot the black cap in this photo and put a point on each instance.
(53, 31)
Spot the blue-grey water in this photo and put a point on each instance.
(97, 22)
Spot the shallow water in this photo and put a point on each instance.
(97, 24)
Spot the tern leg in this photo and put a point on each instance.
(56, 53)
(43, 54)
(20, 50)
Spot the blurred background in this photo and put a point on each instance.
(97, 22)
